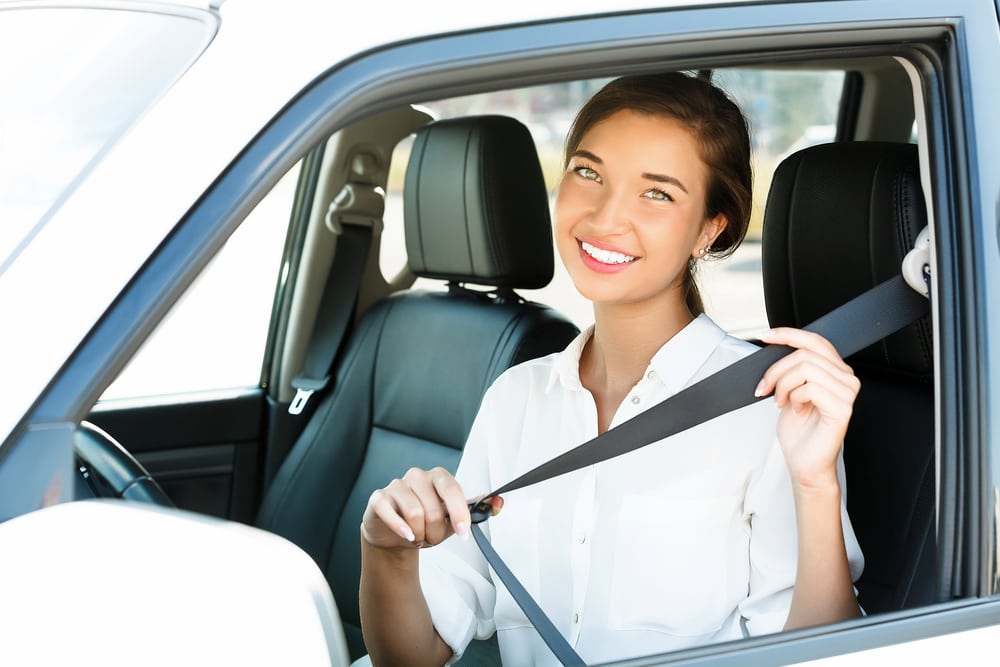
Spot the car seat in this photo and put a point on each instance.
(839, 219)
(418, 362)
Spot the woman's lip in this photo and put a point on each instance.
(603, 245)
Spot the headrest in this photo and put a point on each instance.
(839, 220)
(475, 205)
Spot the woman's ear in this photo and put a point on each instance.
(710, 231)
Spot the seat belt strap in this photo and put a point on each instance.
(548, 632)
(866, 319)
(334, 315)
(863, 321)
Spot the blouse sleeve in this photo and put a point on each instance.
(454, 576)
(774, 544)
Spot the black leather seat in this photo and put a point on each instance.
(416, 366)
(839, 219)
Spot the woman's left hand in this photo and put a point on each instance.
(815, 390)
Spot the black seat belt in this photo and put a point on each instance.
(335, 310)
(863, 321)
(352, 216)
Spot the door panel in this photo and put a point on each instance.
(204, 452)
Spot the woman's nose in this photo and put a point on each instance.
(610, 213)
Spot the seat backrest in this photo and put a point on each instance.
(415, 368)
(839, 219)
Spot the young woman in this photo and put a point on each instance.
(732, 528)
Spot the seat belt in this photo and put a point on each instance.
(862, 321)
(335, 310)
(352, 216)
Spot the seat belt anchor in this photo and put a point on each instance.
(916, 267)
(356, 204)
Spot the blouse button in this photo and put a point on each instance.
(635, 400)
(581, 538)
(650, 375)
(576, 618)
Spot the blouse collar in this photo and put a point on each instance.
(675, 364)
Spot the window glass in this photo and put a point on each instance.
(787, 110)
(73, 80)
(214, 336)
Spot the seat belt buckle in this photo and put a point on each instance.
(304, 389)
(481, 510)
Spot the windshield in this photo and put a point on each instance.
(74, 79)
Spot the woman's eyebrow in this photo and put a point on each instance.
(588, 155)
(663, 178)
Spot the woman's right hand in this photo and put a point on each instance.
(423, 508)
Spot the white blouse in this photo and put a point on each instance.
(687, 541)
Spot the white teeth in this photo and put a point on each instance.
(606, 256)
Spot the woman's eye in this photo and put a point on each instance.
(588, 173)
(658, 195)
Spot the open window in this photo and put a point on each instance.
(832, 99)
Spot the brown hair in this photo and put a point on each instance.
(720, 130)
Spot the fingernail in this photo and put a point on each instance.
(767, 335)
(407, 534)
(759, 391)
(462, 530)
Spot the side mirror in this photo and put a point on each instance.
(130, 583)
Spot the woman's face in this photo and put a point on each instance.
(630, 211)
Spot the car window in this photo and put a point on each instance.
(214, 337)
(787, 110)
(74, 80)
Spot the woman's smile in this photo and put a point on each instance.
(603, 259)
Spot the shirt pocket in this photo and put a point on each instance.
(671, 571)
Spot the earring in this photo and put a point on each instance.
(703, 251)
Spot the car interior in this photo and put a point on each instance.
(467, 300)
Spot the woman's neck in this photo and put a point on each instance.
(625, 339)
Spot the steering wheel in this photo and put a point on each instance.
(109, 470)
